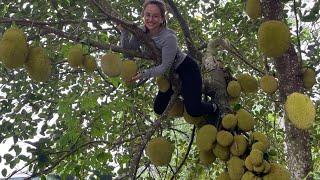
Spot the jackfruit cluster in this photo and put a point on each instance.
(159, 151)
(77, 58)
(253, 9)
(13, 48)
(273, 38)
(248, 83)
(269, 84)
(300, 110)
(309, 77)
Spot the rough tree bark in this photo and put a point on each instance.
(298, 148)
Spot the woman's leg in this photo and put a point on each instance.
(190, 75)
(161, 101)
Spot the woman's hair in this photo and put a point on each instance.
(160, 5)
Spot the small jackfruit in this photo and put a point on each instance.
(224, 138)
(163, 83)
(259, 168)
(273, 38)
(253, 9)
(235, 167)
(248, 176)
(223, 153)
(229, 121)
(206, 157)
(248, 83)
(260, 146)
(256, 157)
(269, 84)
(206, 136)
(277, 172)
(128, 70)
(234, 89)
(239, 145)
(75, 56)
(223, 176)
(38, 65)
(309, 77)
(177, 109)
(300, 110)
(89, 64)
(267, 167)
(13, 54)
(111, 64)
(260, 140)
(159, 150)
(245, 120)
(248, 164)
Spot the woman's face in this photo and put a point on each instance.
(152, 17)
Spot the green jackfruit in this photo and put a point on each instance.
(38, 65)
(159, 150)
(245, 120)
(248, 83)
(206, 136)
(234, 89)
(269, 84)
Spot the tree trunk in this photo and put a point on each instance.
(298, 148)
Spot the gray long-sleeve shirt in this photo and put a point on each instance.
(167, 42)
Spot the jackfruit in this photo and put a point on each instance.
(248, 176)
(253, 9)
(75, 56)
(235, 168)
(245, 120)
(273, 38)
(223, 176)
(234, 89)
(309, 77)
(13, 54)
(177, 109)
(223, 153)
(229, 121)
(159, 150)
(128, 70)
(111, 64)
(256, 157)
(89, 64)
(267, 167)
(260, 140)
(38, 65)
(206, 136)
(239, 145)
(163, 84)
(248, 164)
(14, 34)
(259, 168)
(269, 84)
(192, 120)
(248, 83)
(277, 172)
(206, 157)
(260, 146)
(300, 110)
(224, 138)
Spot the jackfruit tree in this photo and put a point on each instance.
(69, 110)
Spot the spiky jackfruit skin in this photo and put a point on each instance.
(277, 172)
(235, 168)
(248, 83)
(75, 56)
(177, 109)
(163, 83)
(309, 77)
(300, 110)
(159, 150)
(13, 54)
(245, 120)
(128, 70)
(111, 64)
(256, 157)
(206, 136)
(229, 121)
(223, 176)
(206, 157)
(224, 138)
(248, 164)
(273, 38)
(239, 145)
(223, 153)
(234, 89)
(192, 120)
(269, 84)
(38, 65)
(248, 176)
(253, 9)
(89, 64)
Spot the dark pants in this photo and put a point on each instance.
(190, 76)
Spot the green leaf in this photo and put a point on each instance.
(4, 172)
